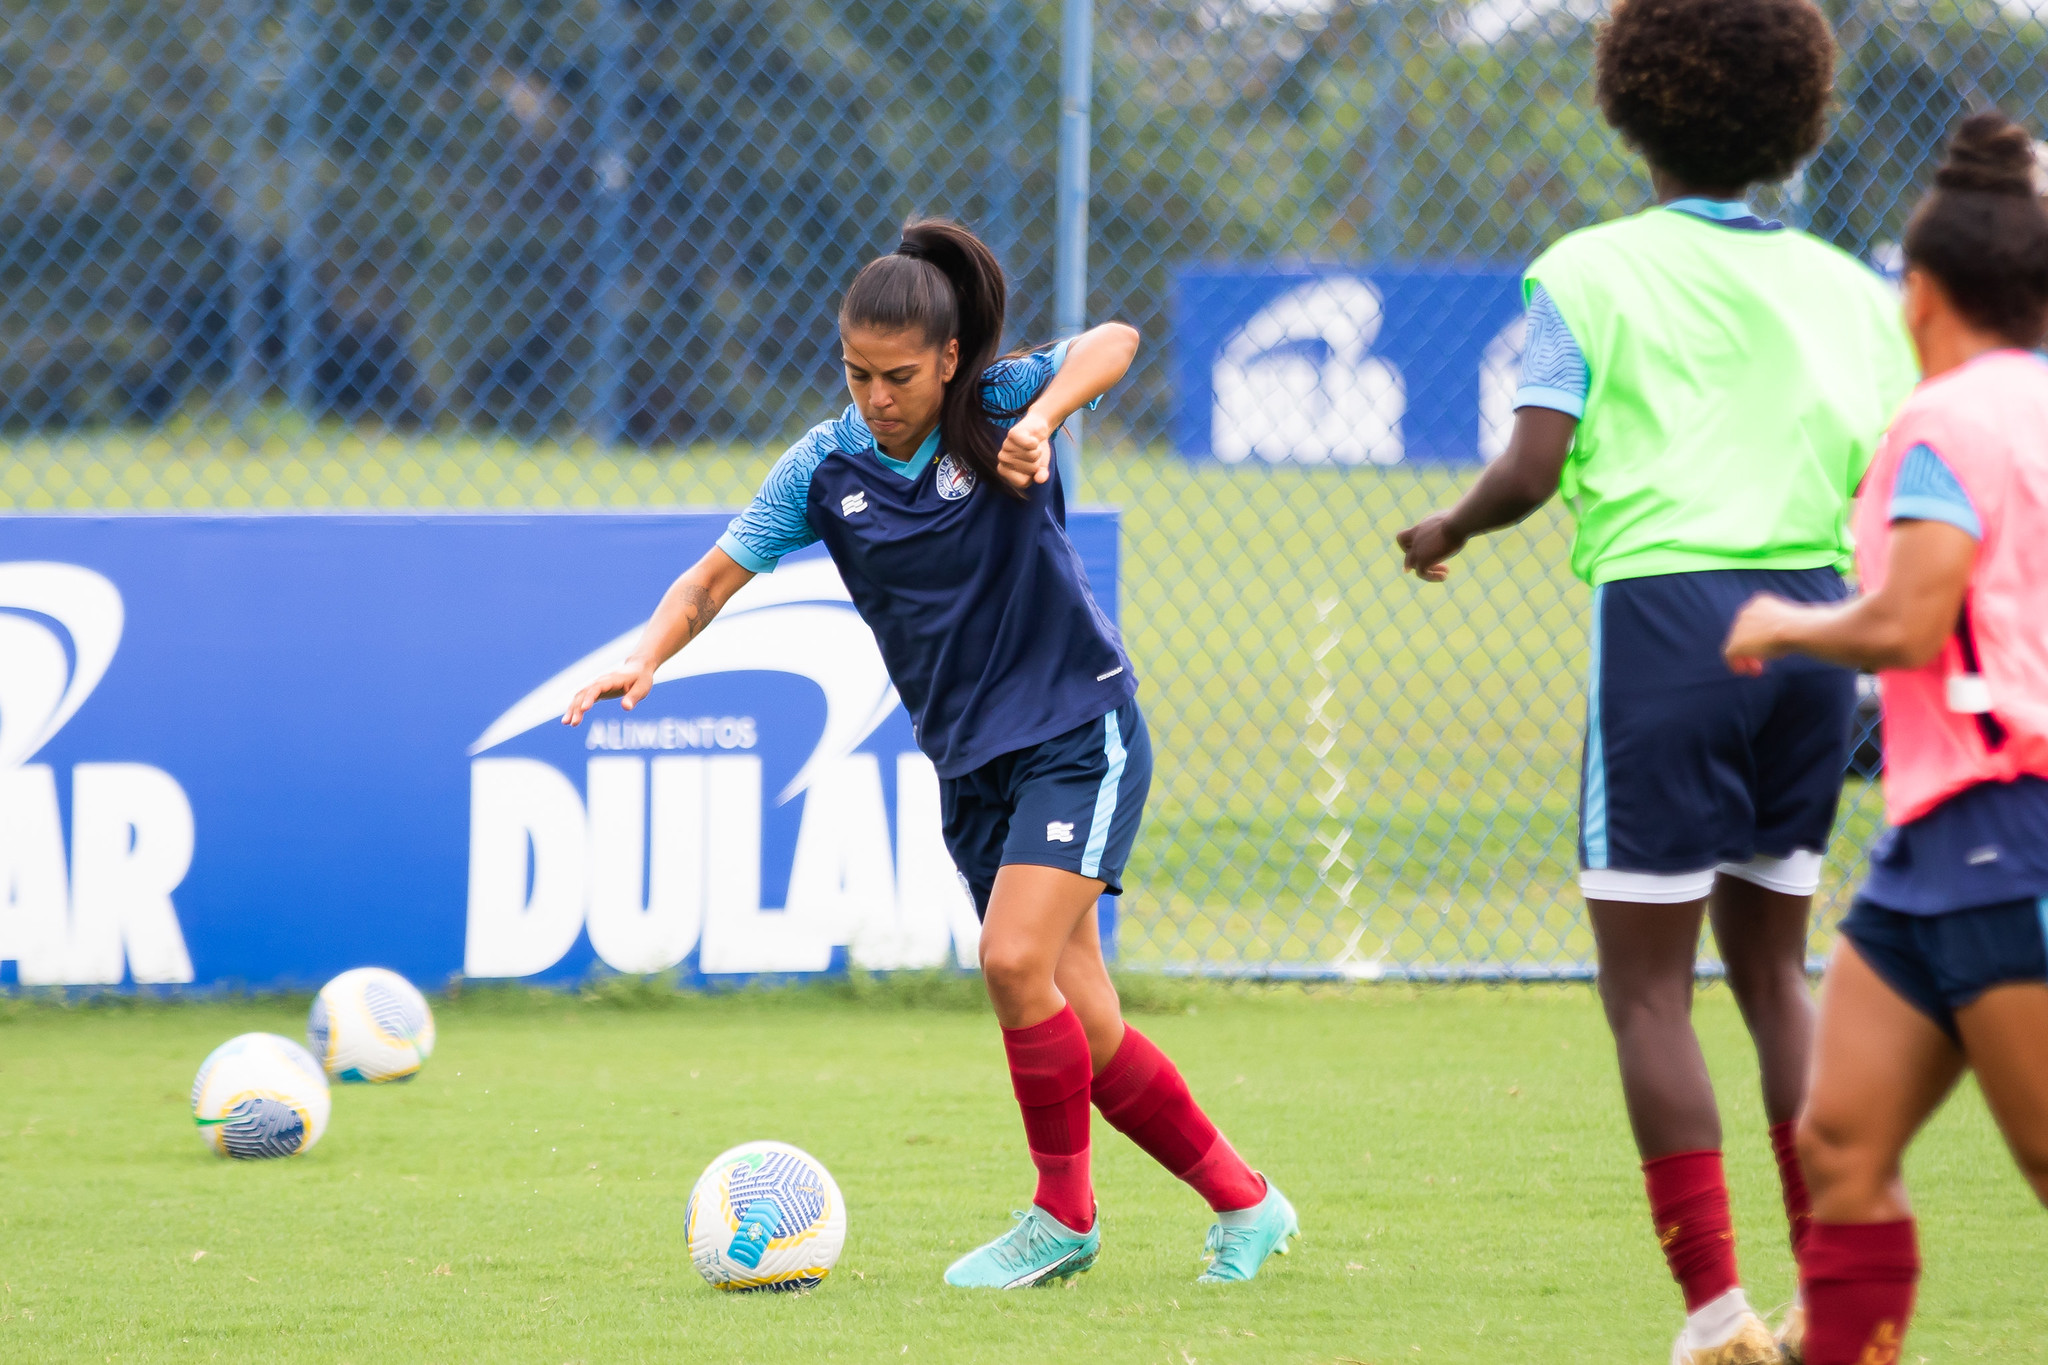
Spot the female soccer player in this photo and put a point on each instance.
(1706, 388)
(1943, 960)
(938, 498)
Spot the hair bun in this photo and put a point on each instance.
(1990, 154)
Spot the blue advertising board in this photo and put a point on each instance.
(262, 749)
(1373, 365)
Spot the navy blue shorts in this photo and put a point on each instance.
(1687, 765)
(1073, 801)
(1941, 963)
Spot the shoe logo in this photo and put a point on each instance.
(1059, 831)
(954, 483)
(856, 501)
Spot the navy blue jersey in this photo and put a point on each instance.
(976, 598)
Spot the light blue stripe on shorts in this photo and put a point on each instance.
(1105, 798)
(1594, 815)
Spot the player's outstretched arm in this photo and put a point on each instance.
(686, 608)
(1097, 361)
(1902, 625)
(1524, 478)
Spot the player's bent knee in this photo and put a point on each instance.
(1009, 969)
(1836, 1158)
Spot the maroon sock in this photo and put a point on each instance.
(1689, 1204)
(1858, 1281)
(1798, 1208)
(1142, 1095)
(1049, 1069)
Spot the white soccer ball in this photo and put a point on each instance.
(765, 1215)
(260, 1095)
(370, 1025)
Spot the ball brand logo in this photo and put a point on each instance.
(954, 482)
(131, 825)
(660, 856)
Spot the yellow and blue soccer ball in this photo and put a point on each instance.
(260, 1095)
(370, 1024)
(765, 1215)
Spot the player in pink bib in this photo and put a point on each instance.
(1943, 961)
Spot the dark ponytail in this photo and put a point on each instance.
(943, 283)
(1983, 232)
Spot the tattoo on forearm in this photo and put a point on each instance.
(699, 606)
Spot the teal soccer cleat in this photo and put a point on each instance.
(1038, 1251)
(1239, 1243)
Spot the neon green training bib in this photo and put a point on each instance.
(1739, 383)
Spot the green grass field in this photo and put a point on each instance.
(1350, 765)
(1459, 1157)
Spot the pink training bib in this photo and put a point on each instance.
(1945, 730)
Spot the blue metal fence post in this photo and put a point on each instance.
(1070, 256)
(603, 416)
(302, 290)
(249, 220)
(1006, 117)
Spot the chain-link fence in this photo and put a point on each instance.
(346, 253)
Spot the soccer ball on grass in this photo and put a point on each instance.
(765, 1215)
(370, 1024)
(260, 1095)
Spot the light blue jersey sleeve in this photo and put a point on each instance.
(1554, 371)
(1010, 386)
(776, 522)
(1928, 490)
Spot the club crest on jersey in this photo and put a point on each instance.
(953, 481)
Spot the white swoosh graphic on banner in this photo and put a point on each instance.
(797, 620)
(40, 688)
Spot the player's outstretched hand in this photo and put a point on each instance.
(1427, 544)
(1756, 636)
(1026, 456)
(628, 684)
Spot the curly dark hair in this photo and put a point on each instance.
(1719, 94)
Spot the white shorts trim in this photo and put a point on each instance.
(1645, 888)
(1796, 874)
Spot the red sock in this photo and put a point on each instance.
(1143, 1096)
(1049, 1070)
(1689, 1204)
(1858, 1281)
(1798, 1208)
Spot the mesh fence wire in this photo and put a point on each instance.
(462, 253)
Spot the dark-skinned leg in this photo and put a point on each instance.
(1647, 958)
(1762, 937)
(1880, 1069)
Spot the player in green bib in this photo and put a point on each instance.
(1705, 389)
